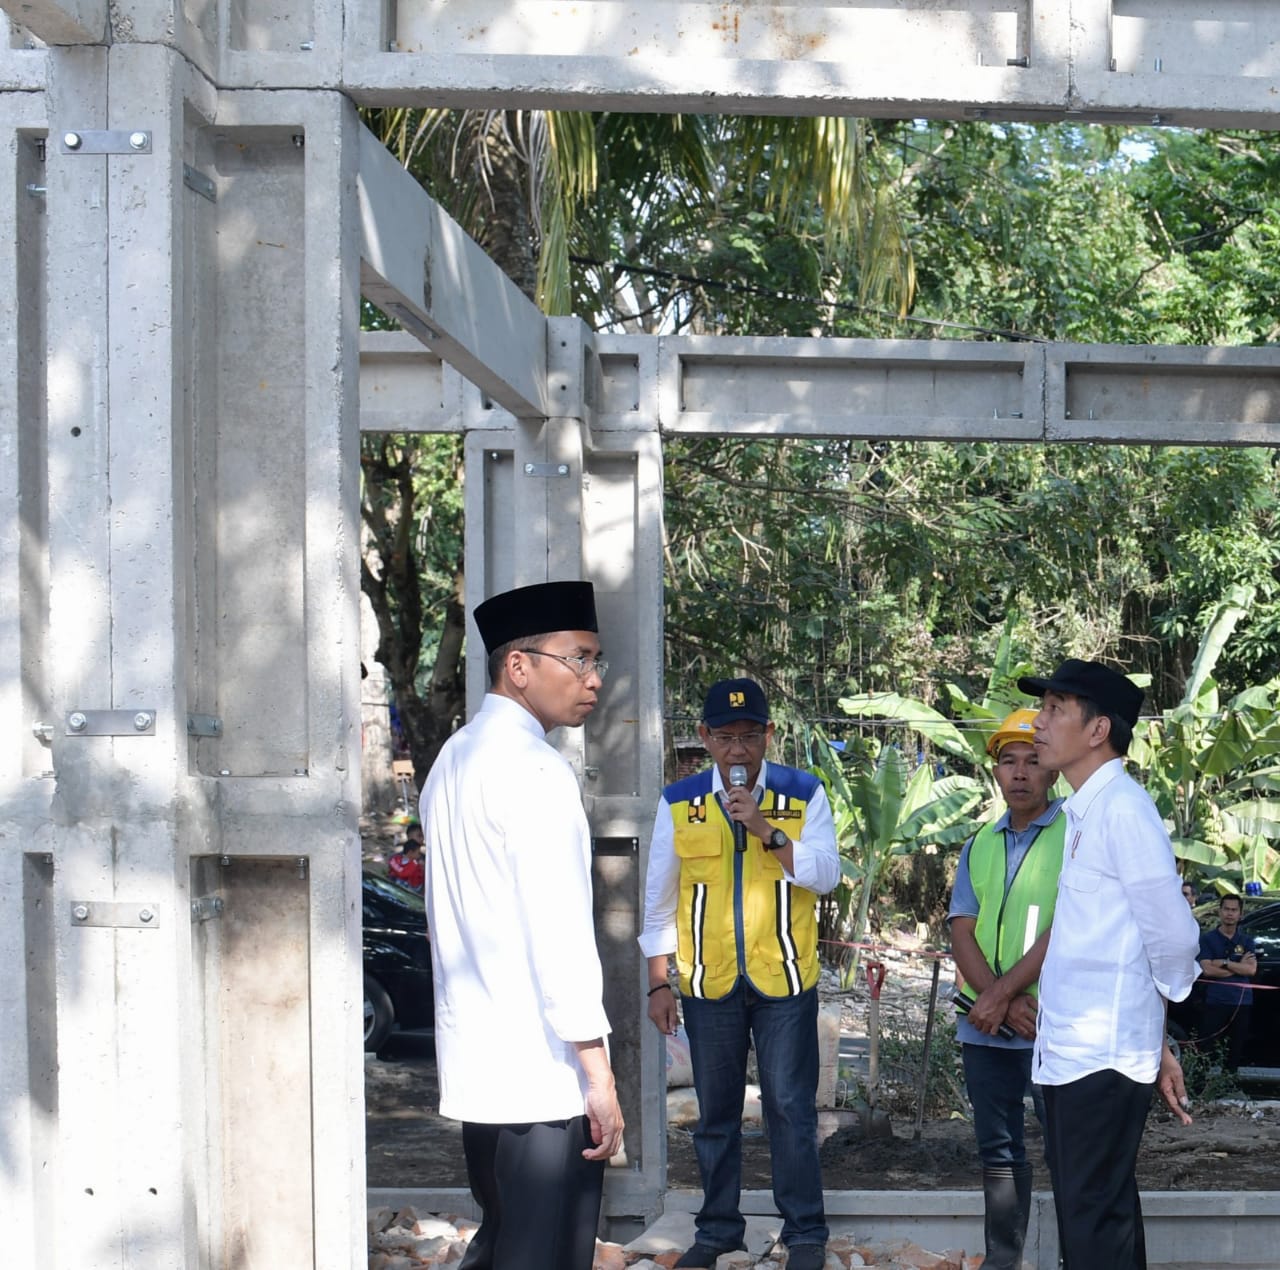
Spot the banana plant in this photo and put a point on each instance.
(882, 809)
(1213, 768)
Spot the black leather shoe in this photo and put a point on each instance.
(806, 1257)
(705, 1256)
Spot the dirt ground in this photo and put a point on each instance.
(1227, 1148)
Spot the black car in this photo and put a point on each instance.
(397, 960)
(1262, 924)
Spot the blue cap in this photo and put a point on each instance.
(730, 700)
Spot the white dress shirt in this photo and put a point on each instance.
(508, 895)
(1123, 938)
(816, 857)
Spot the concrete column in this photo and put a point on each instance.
(178, 533)
(28, 1061)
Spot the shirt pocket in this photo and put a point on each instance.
(1081, 880)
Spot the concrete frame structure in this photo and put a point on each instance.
(195, 212)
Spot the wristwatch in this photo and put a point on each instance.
(777, 840)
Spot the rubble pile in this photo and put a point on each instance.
(405, 1241)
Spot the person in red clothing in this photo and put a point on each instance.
(406, 865)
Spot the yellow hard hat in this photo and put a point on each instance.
(1017, 727)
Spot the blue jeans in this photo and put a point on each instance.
(785, 1032)
(996, 1079)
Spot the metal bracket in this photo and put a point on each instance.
(107, 141)
(111, 723)
(196, 180)
(132, 916)
(204, 725)
(546, 469)
(206, 907)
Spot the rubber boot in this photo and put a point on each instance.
(1007, 1195)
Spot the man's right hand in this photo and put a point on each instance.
(663, 1013)
(990, 1009)
(605, 1117)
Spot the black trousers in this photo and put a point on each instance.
(539, 1199)
(1094, 1128)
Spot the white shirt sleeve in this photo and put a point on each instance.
(661, 887)
(1170, 934)
(550, 860)
(816, 857)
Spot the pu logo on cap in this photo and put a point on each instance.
(737, 700)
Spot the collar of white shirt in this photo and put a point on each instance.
(1082, 799)
(511, 711)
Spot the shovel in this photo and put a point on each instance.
(875, 1123)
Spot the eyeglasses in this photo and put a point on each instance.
(739, 738)
(579, 665)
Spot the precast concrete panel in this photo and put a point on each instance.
(409, 388)
(252, 962)
(270, 26)
(24, 749)
(992, 34)
(1207, 396)
(252, 642)
(832, 387)
(1232, 39)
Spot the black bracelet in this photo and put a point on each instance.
(657, 987)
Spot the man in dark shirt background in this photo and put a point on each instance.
(1227, 958)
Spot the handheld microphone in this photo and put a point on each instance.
(738, 780)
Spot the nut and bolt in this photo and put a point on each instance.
(80, 912)
(145, 915)
(139, 140)
(72, 140)
(142, 721)
(76, 721)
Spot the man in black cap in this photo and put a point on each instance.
(520, 1024)
(740, 853)
(1124, 944)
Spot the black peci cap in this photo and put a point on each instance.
(1108, 689)
(536, 610)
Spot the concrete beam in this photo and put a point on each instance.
(419, 266)
(61, 21)
(1091, 59)
(908, 389)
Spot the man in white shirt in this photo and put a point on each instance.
(520, 1024)
(1124, 944)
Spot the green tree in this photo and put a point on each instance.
(544, 194)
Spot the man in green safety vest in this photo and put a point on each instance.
(1001, 908)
